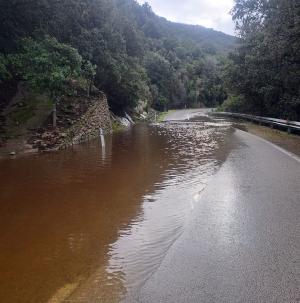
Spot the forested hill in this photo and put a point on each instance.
(210, 40)
(126, 50)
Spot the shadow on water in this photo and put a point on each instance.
(86, 225)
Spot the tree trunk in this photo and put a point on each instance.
(88, 89)
(54, 116)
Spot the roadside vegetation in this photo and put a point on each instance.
(162, 115)
(127, 51)
(140, 60)
(263, 75)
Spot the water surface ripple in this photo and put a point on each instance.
(92, 225)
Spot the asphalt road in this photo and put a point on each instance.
(242, 242)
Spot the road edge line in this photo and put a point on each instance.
(279, 148)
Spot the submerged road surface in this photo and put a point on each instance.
(185, 114)
(183, 211)
(242, 242)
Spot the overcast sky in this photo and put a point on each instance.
(209, 13)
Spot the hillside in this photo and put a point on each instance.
(136, 57)
(207, 39)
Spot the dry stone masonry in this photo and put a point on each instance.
(88, 126)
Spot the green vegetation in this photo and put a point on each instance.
(27, 114)
(47, 65)
(4, 73)
(117, 127)
(234, 104)
(122, 47)
(162, 116)
(136, 57)
(22, 115)
(263, 75)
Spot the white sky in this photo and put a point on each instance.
(209, 13)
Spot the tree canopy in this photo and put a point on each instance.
(134, 55)
(263, 75)
(47, 65)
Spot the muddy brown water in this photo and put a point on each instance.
(92, 225)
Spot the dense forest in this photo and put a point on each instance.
(137, 57)
(121, 47)
(263, 75)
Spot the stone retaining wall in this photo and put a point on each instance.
(89, 125)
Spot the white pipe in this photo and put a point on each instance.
(102, 138)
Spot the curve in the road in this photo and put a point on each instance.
(242, 241)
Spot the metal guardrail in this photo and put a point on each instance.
(289, 126)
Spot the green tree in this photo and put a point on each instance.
(47, 66)
(265, 69)
(4, 72)
(117, 36)
(161, 74)
(88, 72)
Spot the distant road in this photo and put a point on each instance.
(185, 114)
(242, 242)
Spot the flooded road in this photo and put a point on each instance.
(92, 225)
(241, 242)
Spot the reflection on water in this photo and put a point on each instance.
(89, 225)
(141, 246)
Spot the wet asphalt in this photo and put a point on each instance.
(242, 241)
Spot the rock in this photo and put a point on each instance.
(48, 135)
(129, 118)
(124, 122)
(13, 153)
(143, 117)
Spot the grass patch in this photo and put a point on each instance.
(30, 112)
(117, 127)
(22, 115)
(162, 116)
